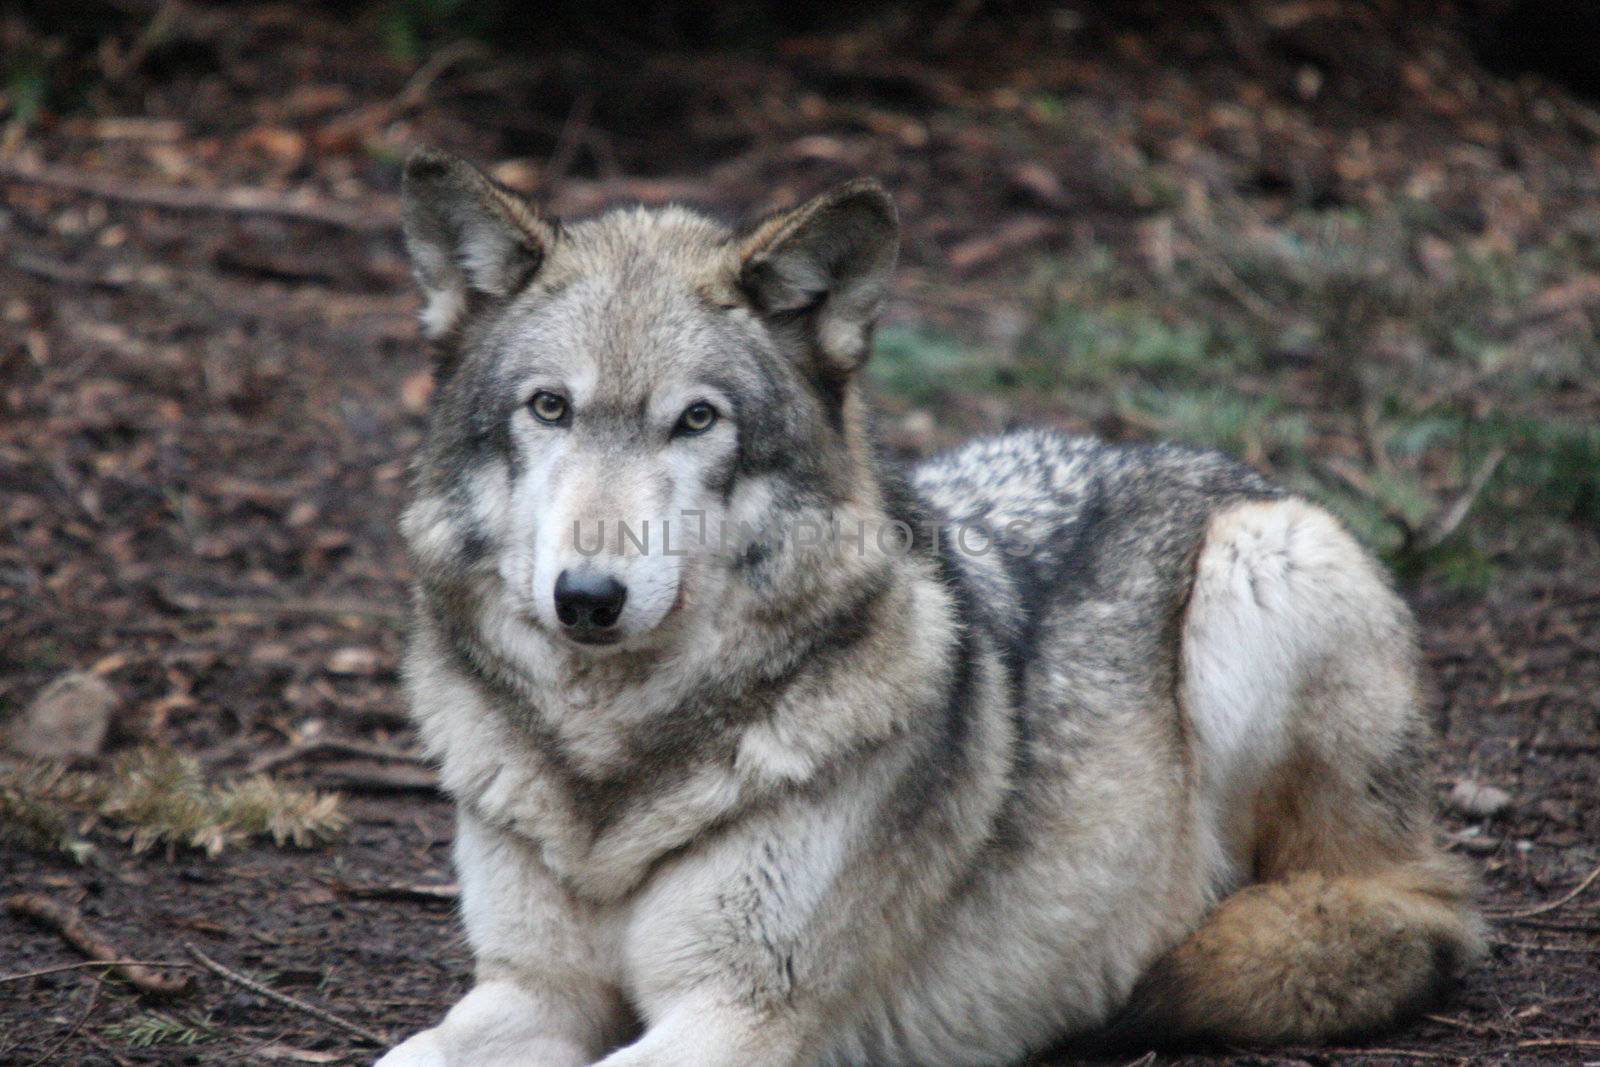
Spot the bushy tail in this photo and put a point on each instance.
(1310, 957)
(1355, 918)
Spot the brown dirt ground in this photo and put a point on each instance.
(204, 416)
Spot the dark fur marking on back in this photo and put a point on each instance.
(1069, 552)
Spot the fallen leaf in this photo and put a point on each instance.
(289, 1054)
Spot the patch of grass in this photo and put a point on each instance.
(160, 1028)
(1080, 344)
(33, 815)
(408, 28)
(1369, 359)
(921, 364)
(1257, 430)
(156, 796)
(25, 89)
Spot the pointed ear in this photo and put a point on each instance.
(466, 235)
(827, 261)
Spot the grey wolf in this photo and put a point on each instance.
(1157, 758)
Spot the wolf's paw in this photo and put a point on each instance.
(419, 1050)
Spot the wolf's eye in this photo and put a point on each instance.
(696, 418)
(548, 407)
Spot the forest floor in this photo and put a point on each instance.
(1319, 236)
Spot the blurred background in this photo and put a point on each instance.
(1356, 244)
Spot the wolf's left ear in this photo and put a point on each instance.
(827, 261)
(466, 235)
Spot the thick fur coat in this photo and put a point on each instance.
(766, 753)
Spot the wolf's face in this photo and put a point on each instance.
(629, 405)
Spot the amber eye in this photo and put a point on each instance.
(548, 407)
(696, 418)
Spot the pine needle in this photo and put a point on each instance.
(159, 1028)
(154, 796)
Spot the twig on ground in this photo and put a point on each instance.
(1402, 1053)
(1461, 1024)
(363, 122)
(1560, 1042)
(264, 606)
(354, 777)
(105, 1047)
(446, 893)
(51, 270)
(1230, 282)
(1433, 531)
(283, 998)
(1550, 924)
(1533, 946)
(376, 215)
(118, 67)
(86, 964)
(1560, 901)
(49, 1054)
(75, 932)
(1008, 239)
(568, 141)
(271, 761)
(1439, 526)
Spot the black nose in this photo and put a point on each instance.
(589, 601)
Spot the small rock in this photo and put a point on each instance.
(1562, 814)
(1478, 801)
(302, 514)
(68, 718)
(355, 660)
(1481, 845)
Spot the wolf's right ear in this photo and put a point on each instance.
(466, 235)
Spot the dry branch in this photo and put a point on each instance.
(351, 128)
(1560, 1042)
(1554, 904)
(271, 761)
(1398, 1053)
(285, 999)
(49, 1055)
(432, 893)
(1438, 528)
(377, 215)
(264, 606)
(1533, 946)
(59, 968)
(75, 932)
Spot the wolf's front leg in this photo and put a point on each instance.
(543, 997)
(505, 1023)
(708, 1031)
(746, 952)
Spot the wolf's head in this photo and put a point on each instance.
(629, 407)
